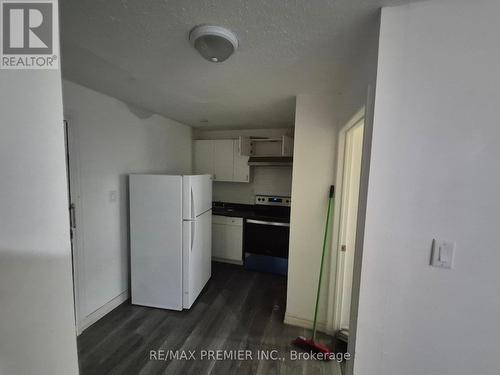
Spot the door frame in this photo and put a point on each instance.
(74, 197)
(336, 280)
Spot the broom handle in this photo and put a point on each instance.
(330, 198)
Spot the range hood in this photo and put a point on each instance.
(278, 161)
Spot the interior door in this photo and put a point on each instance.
(349, 211)
(223, 160)
(75, 208)
(72, 173)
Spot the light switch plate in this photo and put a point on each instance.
(443, 252)
(113, 195)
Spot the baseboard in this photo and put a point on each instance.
(102, 311)
(230, 261)
(304, 323)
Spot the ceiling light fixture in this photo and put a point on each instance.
(214, 43)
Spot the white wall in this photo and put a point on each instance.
(318, 119)
(111, 142)
(435, 173)
(267, 180)
(313, 173)
(37, 327)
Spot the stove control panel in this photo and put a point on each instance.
(272, 200)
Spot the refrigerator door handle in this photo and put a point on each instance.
(192, 204)
(193, 226)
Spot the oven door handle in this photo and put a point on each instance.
(273, 223)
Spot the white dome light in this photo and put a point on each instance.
(214, 43)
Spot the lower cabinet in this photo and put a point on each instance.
(227, 239)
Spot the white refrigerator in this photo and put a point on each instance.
(170, 239)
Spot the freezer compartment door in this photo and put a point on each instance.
(197, 250)
(156, 240)
(197, 195)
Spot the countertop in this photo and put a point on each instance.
(250, 211)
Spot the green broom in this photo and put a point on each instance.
(310, 344)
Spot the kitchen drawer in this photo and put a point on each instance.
(227, 220)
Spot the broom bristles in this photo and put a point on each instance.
(312, 346)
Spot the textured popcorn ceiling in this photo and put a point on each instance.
(138, 51)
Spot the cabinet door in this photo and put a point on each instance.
(223, 159)
(241, 171)
(227, 239)
(234, 250)
(203, 157)
(218, 240)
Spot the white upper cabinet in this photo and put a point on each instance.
(241, 170)
(222, 159)
(227, 159)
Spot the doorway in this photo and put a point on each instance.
(348, 179)
(73, 189)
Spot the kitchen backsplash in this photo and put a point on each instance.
(264, 180)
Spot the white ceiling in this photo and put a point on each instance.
(138, 51)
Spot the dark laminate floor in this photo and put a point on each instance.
(237, 310)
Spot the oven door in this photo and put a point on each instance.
(266, 238)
